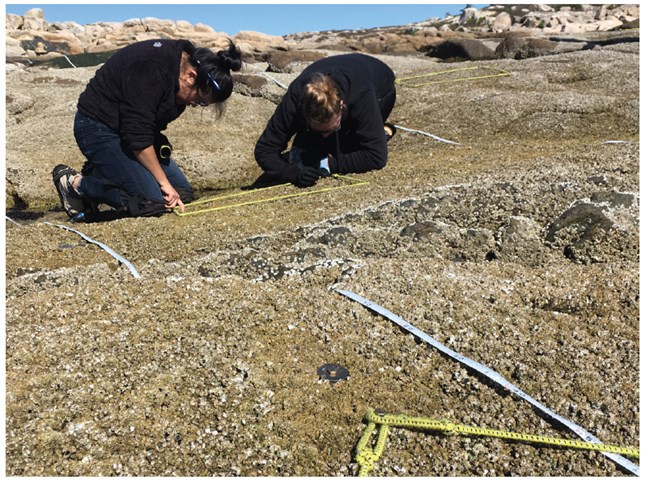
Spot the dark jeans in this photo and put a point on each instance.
(112, 174)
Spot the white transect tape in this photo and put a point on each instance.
(493, 375)
(103, 246)
(274, 80)
(12, 221)
(68, 59)
(427, 134)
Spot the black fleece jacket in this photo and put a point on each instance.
(362, 80)
(134, 92)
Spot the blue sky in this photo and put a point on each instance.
(270, 18)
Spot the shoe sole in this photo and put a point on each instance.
(393, 130)
(59, 171)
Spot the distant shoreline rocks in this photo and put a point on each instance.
(30, 38)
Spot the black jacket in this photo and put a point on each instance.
(362, 80)
(134, 92)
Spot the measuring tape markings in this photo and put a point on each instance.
(500, 73)
(493, 375)
(356, 182)
(449, 427)
(366, 456)
(234, 195)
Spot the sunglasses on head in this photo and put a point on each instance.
(214, 83)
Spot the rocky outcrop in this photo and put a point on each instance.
(462, 49)
(31, 38)
(540, 18)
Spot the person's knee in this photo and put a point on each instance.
(139, 205)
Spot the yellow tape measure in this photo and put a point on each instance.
(367, 456)
(192, 211)
(406, 80)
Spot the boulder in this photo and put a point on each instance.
(423, 39)
(388, 42)
(520, 240)
(532, 21)
(69, 26)
(14, 49)
(602, 12)
(155, 25)
(610, 23)
(627, 10)
(516, 47)
(184, 26)
(284, 61)
(134, 25)
(259, 41)
(469, 15)
(13, 21)
(211, 40)
(203, 28)
(502, 22)
(110, 26)
(572, 28)
(634, 24)
(467, 49)
(34, 23)
(593, 230)
(35, 13)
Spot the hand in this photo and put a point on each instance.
(301, 176)
(308, 176)
(171, 196)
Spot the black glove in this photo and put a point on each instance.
(301, 176)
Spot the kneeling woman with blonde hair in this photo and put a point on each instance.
(337, 108)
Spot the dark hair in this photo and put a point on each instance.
(213, 70)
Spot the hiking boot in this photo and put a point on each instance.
(390, 130)
(73, 203)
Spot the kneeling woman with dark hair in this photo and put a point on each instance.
(119, 120)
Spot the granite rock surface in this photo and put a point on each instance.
(518, 248)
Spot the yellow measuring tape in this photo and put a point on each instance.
(406, 80)
(367, 456)
(302, 193)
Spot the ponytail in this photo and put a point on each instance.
(213, 70)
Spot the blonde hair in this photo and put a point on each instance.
(322, 99)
